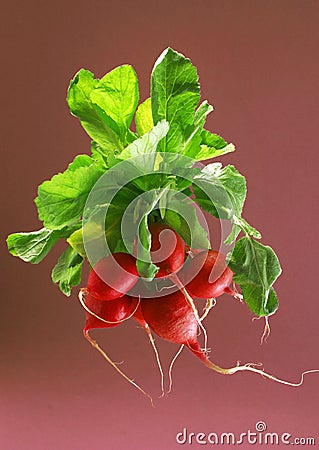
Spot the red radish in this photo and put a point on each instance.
(174, 320)
(112, 312)
(212, 278)
(167, 249)
(120, 269)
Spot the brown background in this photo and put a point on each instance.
(258, 65)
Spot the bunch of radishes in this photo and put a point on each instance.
(174, 317)
(151, 175)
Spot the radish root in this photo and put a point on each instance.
(266, 331)
(152, 341)
(210, 303)
(171, 368)
(249, 367)
(105, 356)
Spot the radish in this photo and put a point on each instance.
(167, 249)
(108, 314)
(173, 319)
(120, 268)
(168, 252)
(212, 276)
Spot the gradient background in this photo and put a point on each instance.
(258, 65)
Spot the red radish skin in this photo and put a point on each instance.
(121, 268)
(167, 249)
(212, 278)
(113, 312)
(173, 319)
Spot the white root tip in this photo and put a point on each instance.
(266, 331)
(251, 367)
(152, 341)
(171, 368)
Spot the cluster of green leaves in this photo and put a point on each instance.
(159, 153)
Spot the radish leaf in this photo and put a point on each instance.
(68, 271)
(81, 106)
(256, 268)
(115, 98)
(33, 246)
(188, 226)
(221, 191)
(143, 117)
(61, 200)
(174, 96)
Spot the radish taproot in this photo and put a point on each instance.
(108, 314)
(167, 249)
(173, 319)
(120, 268)
(138, 316)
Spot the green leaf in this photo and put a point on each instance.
(116, 98)
(201, 113)
(212, 146)
(220, 191)
(33, 246)
(256, 268)
(61, 200)
(76, 240)
(240, 224)
(145, 147)
(81, 105)
(80, 161)
(174, 96)
(144, 265)
(212, 140)
(143, 117)
(99, 155)
(95, 233)
(68, 271)
(136, 223)
(188, 227)
(192, 135)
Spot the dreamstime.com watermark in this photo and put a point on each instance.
(259, 436)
